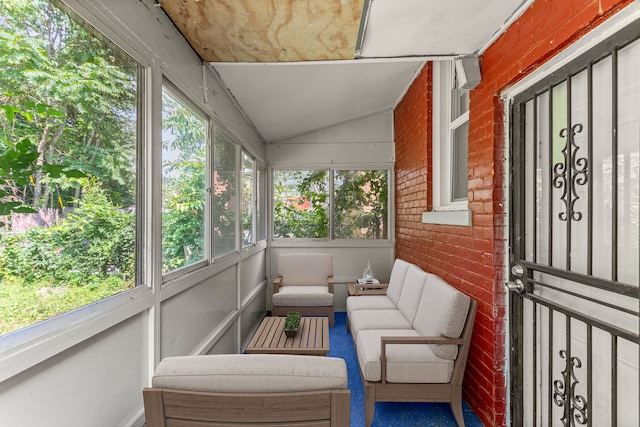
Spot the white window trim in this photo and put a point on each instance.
(445, 211)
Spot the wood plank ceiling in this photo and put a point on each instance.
(268, 30)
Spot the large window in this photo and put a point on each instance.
(300, 204)
(68, 165)
(450, 148)
(459, 143)
(261, 201)
(184, 136)
(305, 208)
(225, 167)
(248, 200)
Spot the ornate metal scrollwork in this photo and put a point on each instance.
(570, 173)
(564, 394)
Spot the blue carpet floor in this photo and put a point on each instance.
(389, 413)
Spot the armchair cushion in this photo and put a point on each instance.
(305, 269)
(304, 296)
(406, 363)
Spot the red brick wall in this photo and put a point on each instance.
(472, 258)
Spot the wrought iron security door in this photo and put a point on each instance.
(574, 244)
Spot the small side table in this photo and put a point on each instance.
(354, 290)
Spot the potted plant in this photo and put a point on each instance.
(291, 323)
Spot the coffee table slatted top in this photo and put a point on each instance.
(312, 337)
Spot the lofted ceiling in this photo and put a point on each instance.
(295, 66)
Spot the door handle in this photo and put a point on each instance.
(515, 286)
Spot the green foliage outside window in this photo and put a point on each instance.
(72, 94)
(48, 271)
(359, 209)
(361, 203)
(248, 202)
(300, 201)
(183, 184)
(68, 110)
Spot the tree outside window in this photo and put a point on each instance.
(300, 204)
(361, 201)
(225, 160)
(184, 135)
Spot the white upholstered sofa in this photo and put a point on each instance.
(412, 343)
(248, 389)
(304, 284)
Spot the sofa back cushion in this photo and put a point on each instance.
(442, 312)
(398, 273)
(305, 269)
(412, 287)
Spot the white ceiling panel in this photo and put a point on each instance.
(433, 27)
(288, 99)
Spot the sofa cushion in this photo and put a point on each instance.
(442, 312)
(251, 373)
(369, 302)
(361, 320)
(305, 269)
(406, 363)
(398, 273)
(411, 292)
(303, 296)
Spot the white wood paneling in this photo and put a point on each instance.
(252, 274)
(189, 317)
(226, 344)
(364, 141)
(94, 384)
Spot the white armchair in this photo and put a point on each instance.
(304, 284)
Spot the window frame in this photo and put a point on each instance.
(261, 196)
(332, 202)
(179, 96)
(26, 347)
(330, 239)
(445, 209)
(214, 257)
(272, 171)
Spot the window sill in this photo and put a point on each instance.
(449, 217)
(29, 346)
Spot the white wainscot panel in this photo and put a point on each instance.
(226, 344)
(250, 316)
(189, 317)
(95, 384)
(252, 274)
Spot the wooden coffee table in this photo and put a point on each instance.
(312, 337)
